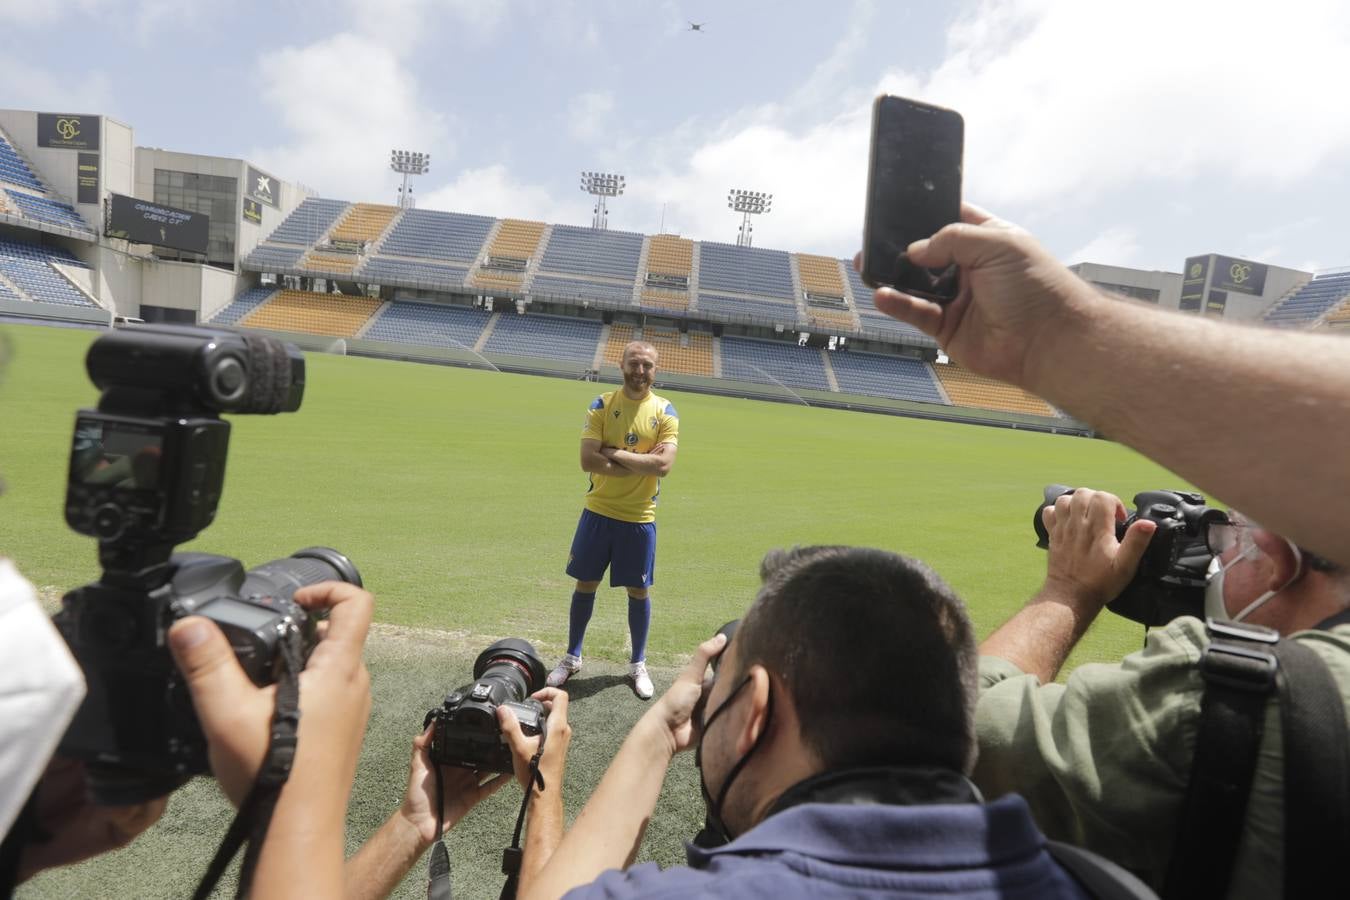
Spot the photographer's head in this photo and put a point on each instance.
(848, 657)
(1264, 578)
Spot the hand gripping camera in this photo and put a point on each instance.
(146, 471)
(1170, 581)
(466, 733)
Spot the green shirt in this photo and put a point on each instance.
(1103, 759)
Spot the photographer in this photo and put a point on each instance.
(1265, 418)
(830, 760)
(1107, 759)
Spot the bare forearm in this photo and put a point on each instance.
(601, 465)
(543, 834)
(1040, 636)
(609, 830)
(642, 463)
(1256, 417)
(384, 859)
(308, 825)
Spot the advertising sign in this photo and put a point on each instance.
(67, 131)
(142, 222)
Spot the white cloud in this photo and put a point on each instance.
(346, 102)
(402, 25)
(44, 12)
(1117, 246)
(30, 87)
(492, 191)
(588, 114)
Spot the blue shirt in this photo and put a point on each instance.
(991, 850)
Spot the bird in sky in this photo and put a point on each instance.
(696, 26)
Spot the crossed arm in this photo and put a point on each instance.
(621, 463)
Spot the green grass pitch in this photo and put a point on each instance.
(456, 491)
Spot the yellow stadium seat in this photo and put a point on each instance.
(965, 388)
(670, 255)
(820, 275)
(335, 315)
(673, 356)
(364, 222)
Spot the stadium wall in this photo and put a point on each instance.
(116, 277)
(1109, 278)
(189, 287)
(59, 167)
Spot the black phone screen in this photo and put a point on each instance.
(914, 189)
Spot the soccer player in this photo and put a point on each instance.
(627, 447)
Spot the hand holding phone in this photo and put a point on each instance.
(913, 191)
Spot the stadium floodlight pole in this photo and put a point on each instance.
(601, 186)
(748, 203)
(408, 163)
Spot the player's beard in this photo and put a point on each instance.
(636, 384)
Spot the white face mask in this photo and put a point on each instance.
(1216, 609)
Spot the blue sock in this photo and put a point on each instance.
(639, 620)
(579, 617)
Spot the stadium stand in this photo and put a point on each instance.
(591, 252)
(431, 325)
(664, 300)
(745, 270)
(1340, 315)
(338, 263)
(334, 315)
(242, 305)
(872, 319)
(670, 255)
(1308, 303)
(582, 288)
(381, 269)
(363, 222)
(308, 222)
(437, 235)
(965, 388)
(741, 307)
(43, 209)
(550, 337)
(689, 354)
(275, 258)
(29, 268)
(835, 321)
(13, 170)
(516, 242)
(820, 275)
(885, 376)
(769, 362)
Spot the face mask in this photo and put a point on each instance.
(715, 832)
(1216, 609)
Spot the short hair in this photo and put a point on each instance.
(643, 344)
(876, 650)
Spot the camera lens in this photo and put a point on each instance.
(512, 663)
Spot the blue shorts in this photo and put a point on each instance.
(627, 549)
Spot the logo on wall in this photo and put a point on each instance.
(1197, 270)
(252, 211)
(1239, 272)
(263, 188)
(67, 131)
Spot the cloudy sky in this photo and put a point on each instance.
(1134, 133)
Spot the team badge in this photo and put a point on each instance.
(654, 422)
(630, 439)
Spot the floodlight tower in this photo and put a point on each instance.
(748, 203)
(407, 163)
(601, 185)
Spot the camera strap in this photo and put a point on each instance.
(512, 856)
(250, 824)
(1243, 666)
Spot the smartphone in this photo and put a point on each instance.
(913, 190)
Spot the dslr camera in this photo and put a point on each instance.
(146, 471)
(465, 732)
(1170, 581)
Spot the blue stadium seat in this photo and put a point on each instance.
(588, 251)
(242, 305)
(308, 222)
(578, 288)
(28, 266)
(764, 362)
(268, 257)
(438, 235)
(885, 376)
(381, 269)
(738, 308)
(746, 270)
(428, 324)
(1309, 302)
(551, 337)
(14, 170)
(53, 212)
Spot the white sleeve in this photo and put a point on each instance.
(40, 688)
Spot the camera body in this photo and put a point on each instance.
(465, 731)
(146, 471)
(1170, 581)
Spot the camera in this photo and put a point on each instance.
(465, 732)
(1170, 581)
(146, 471)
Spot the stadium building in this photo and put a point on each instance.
(93, 228)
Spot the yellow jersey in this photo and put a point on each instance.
(637, 426)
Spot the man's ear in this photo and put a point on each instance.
(758, 718)
(1285, 560)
